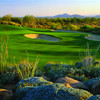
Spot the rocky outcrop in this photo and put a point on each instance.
(32, 81)
(72, 82)
(96, 88)
(95, 97)
(51, 92)
(6, 94)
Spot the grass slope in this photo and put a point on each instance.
(66, 50)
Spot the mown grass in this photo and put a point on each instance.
(66, 51)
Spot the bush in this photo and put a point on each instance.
(7, 77)
(13, 23)
(86, 28)
(55, 71)
(71, 27)
(4, 22)
(79, 72)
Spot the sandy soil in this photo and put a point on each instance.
(55, 39)
(43, 37)
(33, 36)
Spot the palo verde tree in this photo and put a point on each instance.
(7, 17)
(29, 20)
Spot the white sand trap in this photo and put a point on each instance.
(43, 37)
(93, 37)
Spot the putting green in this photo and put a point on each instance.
(66, 50)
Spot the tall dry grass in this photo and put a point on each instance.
(4, 52)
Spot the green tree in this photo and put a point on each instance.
(7, 17)
(29, 20)
(86, 28)
(16, 20)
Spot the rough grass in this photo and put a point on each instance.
(66, 50)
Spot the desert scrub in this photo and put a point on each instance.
(55, 71)
(8, 77)
(88, 57)
(27, 69)
(58, 71)
(51, 92)
(32, 81)
(4, 52)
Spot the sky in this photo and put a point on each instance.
(20, 8)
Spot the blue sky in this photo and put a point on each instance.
(49, 7)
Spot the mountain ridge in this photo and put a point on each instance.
(65, 15)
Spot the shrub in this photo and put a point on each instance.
(26, 69)
(55, 71)
(71, 27)
(4, 53)
(13, 23)
(4, 22)
(86, 28)
(7, 77)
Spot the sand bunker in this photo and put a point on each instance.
(43, 37)
(93, 37)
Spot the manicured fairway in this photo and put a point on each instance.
(66, 50)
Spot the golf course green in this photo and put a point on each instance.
(66, 50)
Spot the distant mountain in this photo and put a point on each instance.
(68, 16)
(79, 16)
(97, 16)
(63, 16)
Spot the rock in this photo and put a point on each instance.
(6, 94)
(95, 63)
(51, 92)
(67, 85)
(72, 82)
(90, 82)
(46, 78)
(33, 81)
(96, 88)
(96, 97)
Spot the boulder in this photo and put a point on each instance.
(46, 78)
(6, 94)
(67, 85)
(72, 82)
(51, 92)
(96, 88)
(95, 97)
(32, 81)
(92, 81)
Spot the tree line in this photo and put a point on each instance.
(82, 24)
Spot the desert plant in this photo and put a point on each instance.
(4, 52)
(27, 69)
(7, 77)
(7, 17)
(88, 58)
